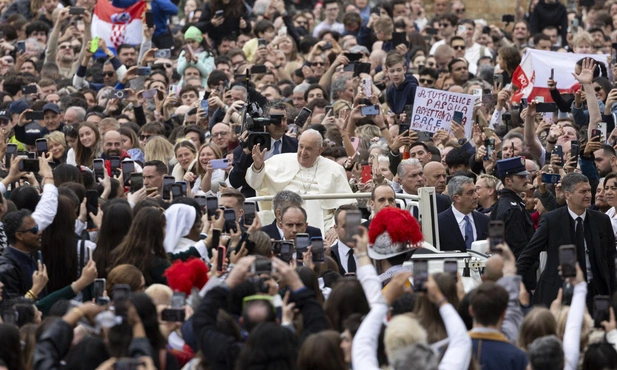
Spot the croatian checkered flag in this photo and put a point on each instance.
(116, 25)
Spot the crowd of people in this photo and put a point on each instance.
(129, 239)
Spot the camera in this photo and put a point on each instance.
(119, 94)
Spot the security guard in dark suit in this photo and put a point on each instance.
(510, 209)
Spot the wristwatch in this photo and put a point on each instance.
(462, 141)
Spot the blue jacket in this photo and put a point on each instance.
(161, 9)
(404, 94)
(493, 351)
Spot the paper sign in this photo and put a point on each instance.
(433, 110)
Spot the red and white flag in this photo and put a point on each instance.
(532, 74)
(116, 25)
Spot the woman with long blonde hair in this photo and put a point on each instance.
(159, 148)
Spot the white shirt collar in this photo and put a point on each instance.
(460, 216)
(575, 216)
(343, 249)
(280, 230)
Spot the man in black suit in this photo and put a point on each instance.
(382, 196)
(411, 173)
(340, 252)
(576, 224)
(280, 143)
(460, 225)
(282, 200)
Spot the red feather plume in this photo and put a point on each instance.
(183, 276)
(400, 224)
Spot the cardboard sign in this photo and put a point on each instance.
(433, 110)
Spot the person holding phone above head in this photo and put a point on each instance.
(279, 143)
(224, 17)
(196, 54)
(590, 231)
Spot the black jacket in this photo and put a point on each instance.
(242, 162)
(450, 237)
(510, 209)
(273, 231)
(15, 278)
(55, 343)
(222, 350)
(229, 27)
(557, 228)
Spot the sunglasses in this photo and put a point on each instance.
(314, 64)
(458, 11)
(444, 25)
(145, 137)
(597, 88)
(426, 81)
(458, 47)
(34, 230)
(108, 74)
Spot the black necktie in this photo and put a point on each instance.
(351, 262)
(580, 244)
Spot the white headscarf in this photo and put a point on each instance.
(180, 220)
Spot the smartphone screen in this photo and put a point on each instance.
(451, 267)
(601, 304)
(286, 251)
(128, 167)
(137, 182)
(120, 295)
(352, 222)
(420, 275)
(176, 191)
(303, 116)
(567, 260)
(303, 241)
(99, 287)
(41, 146)
(212, 204)
(99, 169)
(496, 232)
(114, 163)
(220, 259)
(216, 237)
(168, 181)
(230, 220)
(250, 209)
(317, 249)
(201, 200)
(458, 117)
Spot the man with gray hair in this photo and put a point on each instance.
(304, 172)
(546, 353)
(282, 200)
(74, 115)
(297, 97)
(590, 231)
(461, 225)
(411, 177)
(342, 89)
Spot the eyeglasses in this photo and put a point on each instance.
(426, 81)
(597, 88)
(221, 134)
(315, 64)
(458, 47)
(444, 25)
(34, 230)
(145, 137)
(108, 74)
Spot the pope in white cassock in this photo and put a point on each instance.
(305, 172)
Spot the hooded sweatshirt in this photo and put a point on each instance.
(554, 14)
(404, 94)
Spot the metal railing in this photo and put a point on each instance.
(425, 201)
